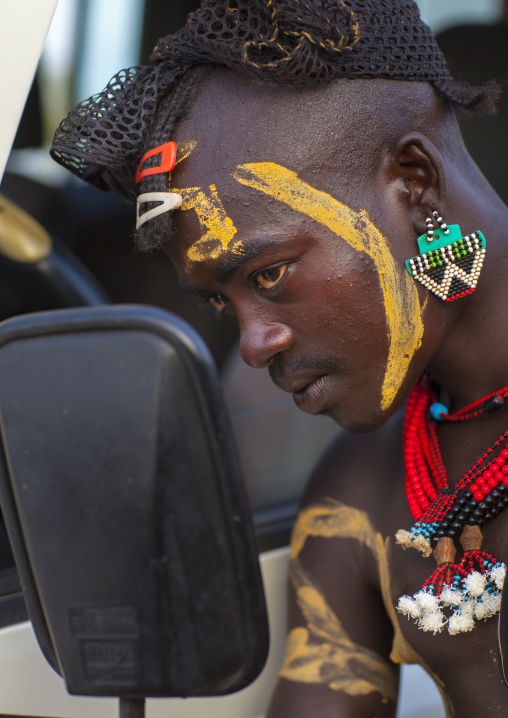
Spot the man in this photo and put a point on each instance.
(316, 143)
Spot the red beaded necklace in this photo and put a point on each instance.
(471, 588)
(425, 473)
(487, 405)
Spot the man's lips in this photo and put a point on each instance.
(296, 384)
(309, 392)
(310, 380)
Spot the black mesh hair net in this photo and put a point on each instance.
(285, 41)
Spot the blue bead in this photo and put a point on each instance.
(438, 411)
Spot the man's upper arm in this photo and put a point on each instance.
(340, 636)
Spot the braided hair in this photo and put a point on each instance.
(170, 111)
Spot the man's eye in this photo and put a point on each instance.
(218, 301)
(269, 278)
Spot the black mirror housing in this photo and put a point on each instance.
(123, 499)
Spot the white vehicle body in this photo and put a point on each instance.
(30, 687)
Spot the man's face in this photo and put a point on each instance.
(284, 243)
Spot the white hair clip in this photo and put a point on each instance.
(170, 200)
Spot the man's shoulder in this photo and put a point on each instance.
(360, 469)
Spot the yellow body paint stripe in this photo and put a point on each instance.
(322, 652)
(400, 296)
(331, 521)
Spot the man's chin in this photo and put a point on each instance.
(355, 421)
(325, 398)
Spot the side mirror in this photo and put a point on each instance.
(124, 504)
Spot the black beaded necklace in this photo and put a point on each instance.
(472, 587)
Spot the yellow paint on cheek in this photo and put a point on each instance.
(218, 229)
(399, 292)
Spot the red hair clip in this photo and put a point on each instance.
(167, 162)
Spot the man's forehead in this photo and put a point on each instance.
(236, 119)
(250, 152)
(225, 131)
(234, 174)
(332, 135)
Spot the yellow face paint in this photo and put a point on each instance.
(184, 149)
(322, 652)
(218, 229)
(400, 296)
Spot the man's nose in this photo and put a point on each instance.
(260, 342)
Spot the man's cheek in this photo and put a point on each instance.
(400, 296)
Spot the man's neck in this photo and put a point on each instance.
(472, 360)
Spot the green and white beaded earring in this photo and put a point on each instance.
(449, 264)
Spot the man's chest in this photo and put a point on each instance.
(467, 663)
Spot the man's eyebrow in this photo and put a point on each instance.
(243, 253)
(225, 272)
(193, 287)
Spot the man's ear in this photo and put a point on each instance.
(417, 174)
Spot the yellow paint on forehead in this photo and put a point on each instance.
(218, 229)
(400, 296)
(184, 149)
